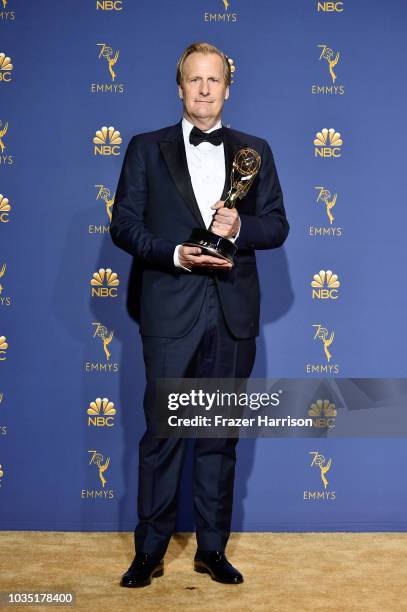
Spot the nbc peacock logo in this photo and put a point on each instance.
(330, 6)
(325, 285)
(328, 143)
(3, 348)
(109, 5)
(5, 208)
(104, 283)
(101, 413)
(6, 68)
(323, 412)
(107, 141)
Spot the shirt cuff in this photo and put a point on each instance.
(238, 232)
(176, 259)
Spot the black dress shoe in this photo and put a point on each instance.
(143, 568)
(214, 562)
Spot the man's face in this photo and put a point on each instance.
(203, 88)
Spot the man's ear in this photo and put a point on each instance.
(227, 93)
(180, 92)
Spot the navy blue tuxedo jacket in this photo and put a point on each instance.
(155, 209)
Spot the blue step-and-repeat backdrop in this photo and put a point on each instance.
(323, 83)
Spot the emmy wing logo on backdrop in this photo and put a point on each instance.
(101, 413)
(5, 158)
(4, 300)
(325, 285)
(5, 13)
(109, 59)
(107, 141)
(5, 208)
(325, 338)
(3, 428)
(1, 475)
(105, 197)
(328, 143)
(323, 335)
(330, 7)
(330, 60)
(329, 202)
(5, 68)
(220, 11)
(99, 466)
(104, 338)
(104, 283)
(323, 466)
(3, 348)
(109, 5)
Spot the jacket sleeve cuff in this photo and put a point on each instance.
(176, 259)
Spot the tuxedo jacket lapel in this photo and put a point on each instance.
(173, 150)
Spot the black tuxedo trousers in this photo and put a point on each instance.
(207, 351)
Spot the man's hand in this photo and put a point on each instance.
(226, 221)
(191, 257)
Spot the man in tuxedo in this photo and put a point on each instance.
(199, 314)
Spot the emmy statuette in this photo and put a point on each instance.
(244, 169)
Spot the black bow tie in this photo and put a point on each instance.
(196, 136)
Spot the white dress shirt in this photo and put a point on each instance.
(206, 165)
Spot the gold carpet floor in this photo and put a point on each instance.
(283, 572)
